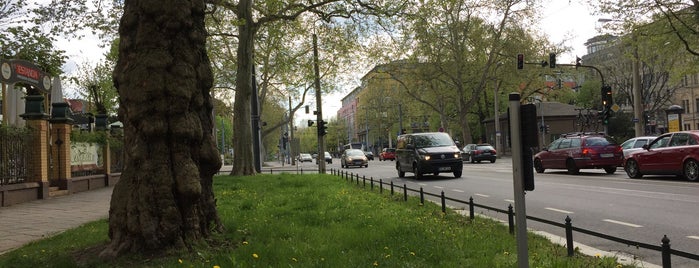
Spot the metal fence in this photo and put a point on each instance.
(14, 154)
(664, 248)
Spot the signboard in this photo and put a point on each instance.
(673, 122)
(21, 71)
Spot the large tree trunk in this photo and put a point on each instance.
(164, 198)
(242, 123)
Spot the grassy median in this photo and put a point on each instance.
(317, 221)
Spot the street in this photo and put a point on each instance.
(641, 210)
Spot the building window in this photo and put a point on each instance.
(685, 105)
(687, 127)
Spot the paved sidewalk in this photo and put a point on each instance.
(26, 222)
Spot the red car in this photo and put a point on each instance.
(387, 153)
(675, 153)
(575, 151)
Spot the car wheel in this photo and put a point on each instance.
(610, 170)
(538, 166)
(479, 161)
(631, 168)
(401, 174)
(691, 170)
(572, 168)
(457, 174)
(492, 161)
(472, 160)
(366, 166)
(417, 173)
(436, 173)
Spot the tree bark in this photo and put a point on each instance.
(164, 198)
(242, 123)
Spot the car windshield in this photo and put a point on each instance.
(354, 153)
(424, 141)
(391, 150)
(597, 141)
(484, 147)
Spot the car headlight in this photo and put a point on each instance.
(457, 155)
(427, 157)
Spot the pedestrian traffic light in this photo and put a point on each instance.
(520, 61)
(607, 100)
(322, 128)
(310, 123)
(552, 60)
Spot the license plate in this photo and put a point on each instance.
(444, 168)
(606, 155)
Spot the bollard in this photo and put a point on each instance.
(444, 203)
(569, 237)
(391, 187)
(381, 185)
(422, 197)
(666, 252)
(470, 207)
(405, 192)
(511, 219)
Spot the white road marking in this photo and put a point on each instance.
(483, 195)
(693, 237)
(422, 184)
(509, 200)
(438, 187)
(457, 190)
(623, 223)
(560, 210)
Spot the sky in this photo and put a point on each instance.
(564, 21)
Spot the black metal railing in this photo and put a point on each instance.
(664, 248)
(14, 154)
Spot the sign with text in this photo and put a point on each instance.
(22, 71)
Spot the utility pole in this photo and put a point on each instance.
(637, 95)
(291, 134)
(319, 107)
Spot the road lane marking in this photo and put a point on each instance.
(457, 190)
(509, 200)
(693, 237)
(438, 187)
(422, 184)
(483, 195)
(623, 223)
(560, 210)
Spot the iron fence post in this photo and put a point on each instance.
(391, 187)
(470, 207)
(569, 236)
(422, 197)
(444, 203)
(511, 219)
(405, 192)
(666, 252)
(371, 180)
(381, 186)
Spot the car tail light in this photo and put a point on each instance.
(586, 152)
(476, 152)
(494, 152)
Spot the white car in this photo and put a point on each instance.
(305, 158)
(635, 144)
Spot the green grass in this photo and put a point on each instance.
(317, 221)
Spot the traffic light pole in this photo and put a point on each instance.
(319, 107)
(518, 178)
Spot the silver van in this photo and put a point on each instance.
(427, 153)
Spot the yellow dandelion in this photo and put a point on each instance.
(245, 242)
(597, 255)
(376, 263)
(254, 255)
(179, 260)
(216, 266)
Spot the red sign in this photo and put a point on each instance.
(21, 71)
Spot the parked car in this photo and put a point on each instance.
(369, 155)
(353, 157)
(328, 158)
(675, 153)
(305, 158)
(425, 153)
(387, 153)
(575, 151)
(479, 152)
(635, 144)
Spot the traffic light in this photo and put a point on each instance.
(520, 61)
(529, 138)
(606, 115)
(607, 100)
(322, 128)
(310, 123)
(552, 60)
(577, 62)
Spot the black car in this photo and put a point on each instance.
(427, 153)
(479, 152)
(369, 155)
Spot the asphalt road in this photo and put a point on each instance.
(641, 210)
